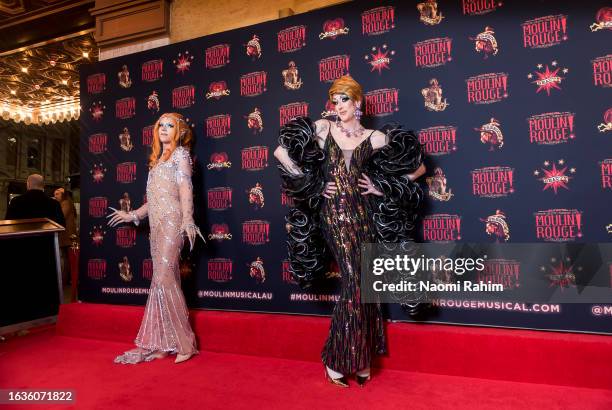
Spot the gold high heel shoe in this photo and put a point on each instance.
(180, 358)
(341, 382)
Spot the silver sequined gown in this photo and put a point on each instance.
(165, 326)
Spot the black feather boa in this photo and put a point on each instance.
(308, 254)
(394, 213)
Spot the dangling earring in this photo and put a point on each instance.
(358, 113)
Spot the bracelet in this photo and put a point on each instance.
(135, 218)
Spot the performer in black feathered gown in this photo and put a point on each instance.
(350, 186)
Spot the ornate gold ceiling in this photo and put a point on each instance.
(45, 77)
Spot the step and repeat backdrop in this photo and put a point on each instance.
(511, 101)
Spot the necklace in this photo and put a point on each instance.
(357, 132)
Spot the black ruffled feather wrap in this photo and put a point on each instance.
(308, 254)
(394, 214)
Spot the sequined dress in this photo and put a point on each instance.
(356, 332)
(165, 325)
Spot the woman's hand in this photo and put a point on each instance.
(330, 189)
(366, 183)
(118, 217)
(191, 230)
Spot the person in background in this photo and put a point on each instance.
(69, 212)
(35, 204)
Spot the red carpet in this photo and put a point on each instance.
(271, 361)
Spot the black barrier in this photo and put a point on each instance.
(510, 100)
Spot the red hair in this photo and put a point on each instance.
(182, 137)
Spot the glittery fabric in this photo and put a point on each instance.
(165, 326)
(356, 332)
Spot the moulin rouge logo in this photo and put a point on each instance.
(125, 270)
(220, 198)
(505, 272)
(147, 269)
(332, 68)
(603, 19)
(551, 128)
(253, 48)
(291, 77)
(606, 173)
(254, 158)
(125, 80)
(496, 226)
(487, 88)
(125, 140)
(182, 62)
(286, 272)
(96, 83)
(477, 7)
(491, 134)
(220, 270)
(329, 111)
(125, 236)
(558, 225)
(96, 269)
(217, 56)
(492, 182)
(433, 52)
(255, 232)
(438, 189)
(98, 170)
(183, 97)
(439, 140)
(219, 232)
(378, 21)
(255, 121)
(547, 79)
(126, 172)
(429, 14)
(153, 102)
(606, 125)
(97, 110)
(218, 126)
(152, 70)
(97, 206)
(253, 84)
(98, 143)
(442, 228)
(218, 161)
(286, 200)
(217, 90)
(125, 108)
(552, 177)
(486, 43)
(434, 101)
(147, 135)
(602, 71)
(291, 39)
(257, 270)
(561, 273)
(333, 28)
(379, 58)
(379, 103)
(545, 31)
(256, 196)
(291, 111)
(97, 234)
